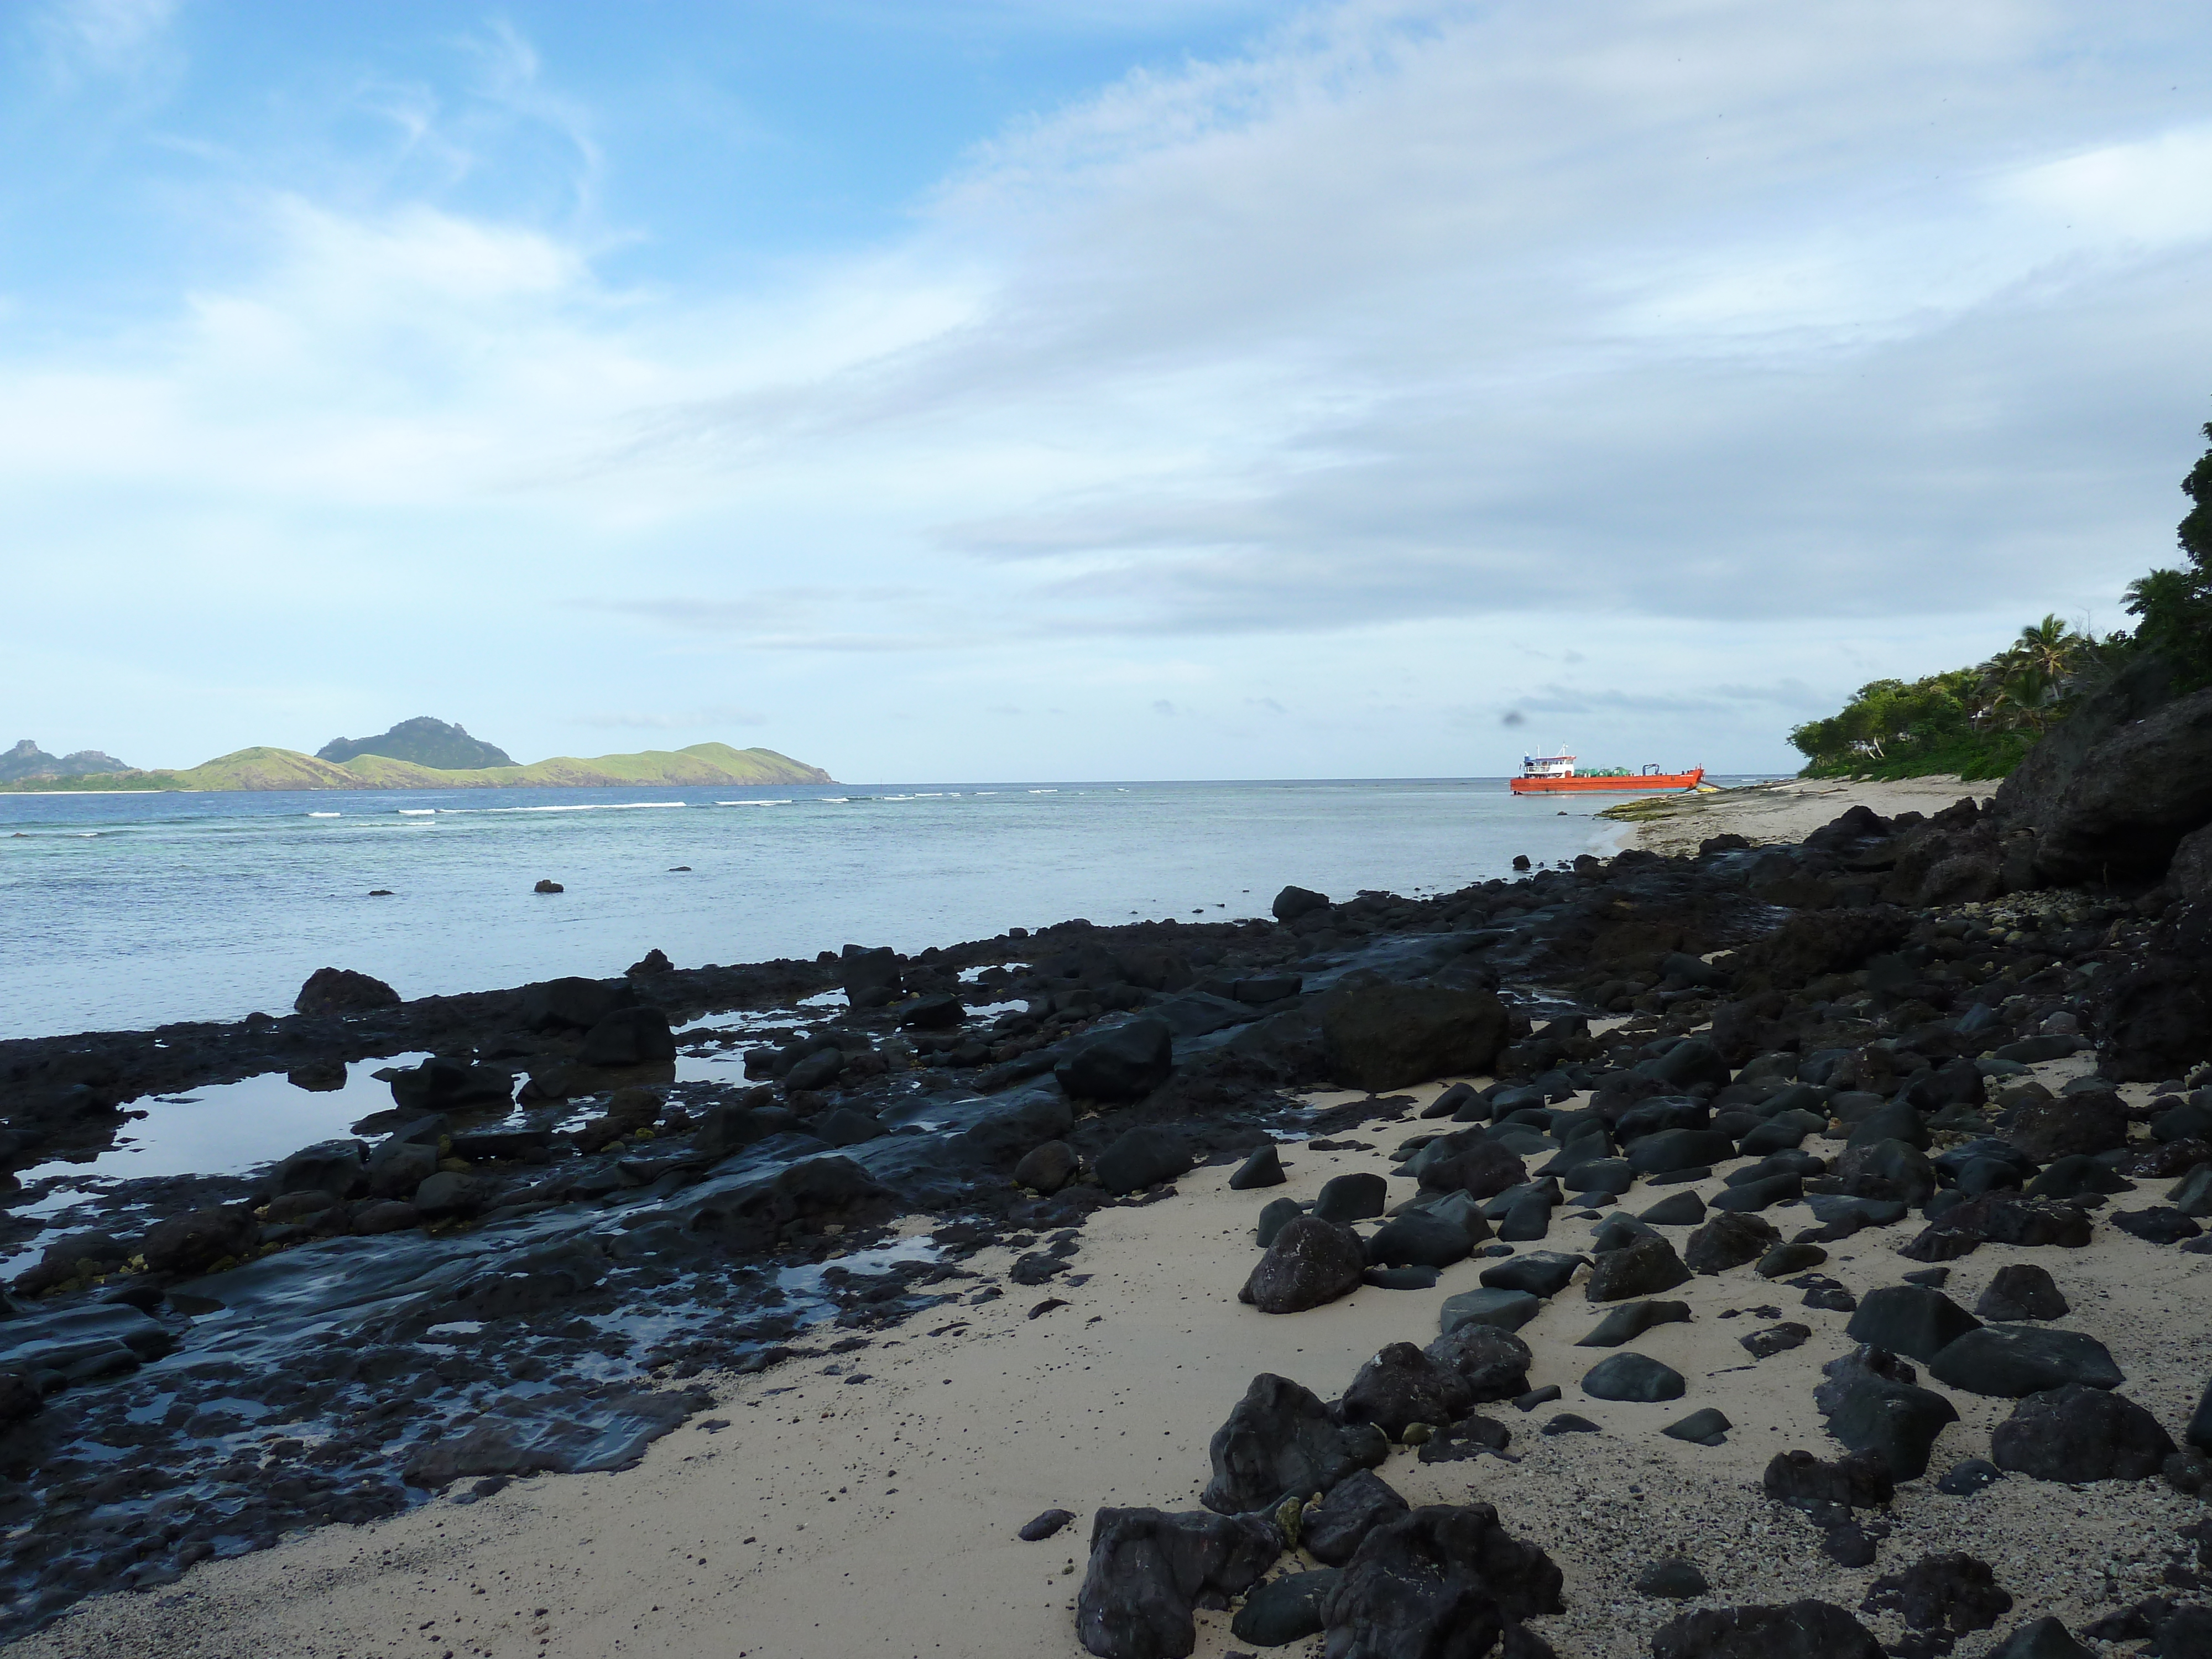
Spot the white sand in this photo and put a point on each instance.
(835, 1521)
(1768, 813)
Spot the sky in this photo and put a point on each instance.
(1054, 389)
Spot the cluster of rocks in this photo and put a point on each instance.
(1902, 982)
(208, 1361)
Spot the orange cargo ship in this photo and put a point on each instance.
(1555, 775)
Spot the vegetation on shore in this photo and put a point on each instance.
(1978, 722)
(269, 769)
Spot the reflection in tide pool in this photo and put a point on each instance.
(231, 1128)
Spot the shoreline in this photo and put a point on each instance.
(1783, 813)
(868, 1506)
(828, 1374)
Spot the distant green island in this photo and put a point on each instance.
(371, 764)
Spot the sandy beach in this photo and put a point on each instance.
(866, 1503)
(1770, 814)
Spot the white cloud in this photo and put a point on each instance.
(104, 37)
(1821, 335)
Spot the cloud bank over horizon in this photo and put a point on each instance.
(1043, 393)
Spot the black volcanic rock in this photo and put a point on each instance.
(424, 742)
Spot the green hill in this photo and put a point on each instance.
(266, 768)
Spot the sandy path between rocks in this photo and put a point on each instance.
(1767, 814)
(836, 1518)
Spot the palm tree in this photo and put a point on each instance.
(2049, 647)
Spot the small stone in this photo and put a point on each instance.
(1569, 1423)
(1968, 1476)
(1044, 1526)
(1708, 1426)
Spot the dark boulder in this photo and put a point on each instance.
(202, 1240)
(2078, 1123)
(1858, 1480)
(2021, 1291)
(573, 1003)
(1280, 1441)
(2008, 1361)
(1539, 1273)
(1671, 1150)
(1730, 1239)
(1264, 1168)
(1873, 1401)
(1282, 1610)
(1401, 1385)
(2159, 1224)
(329, 1166)
(1803, 1630)
(1149, 1570)
(442, 1084)
(2075, 1433)
(1508, 1311)
(1379, 1037)
(871, 976)
(1951, 1591)
(1642, 1267)
(1492, 1362)
(1419, 1240)
(1274, 1215)
(1441, 1583)
(1479, 1167)
(1633, 1376)
(631, 1037)
(1999, 1217)
(1914, 1320)
(2120, 808)
(1354, 1507)
(448, 1194)
(1140, 1157)
(342, 991)
(1683, 1209)
(1126, 1063)
(1885, 1168)
(730, 1126)
(1310, 1263)
(1295, 901)
(2040, 1638)
(1048, 1168)
(1817, 941)
(803, 1198)
(1631, 1319)
(1351, 1197)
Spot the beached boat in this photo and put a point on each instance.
(1555, 775)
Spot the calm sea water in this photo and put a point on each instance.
(128, 911)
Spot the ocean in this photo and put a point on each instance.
(123, 912)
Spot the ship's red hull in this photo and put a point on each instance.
(1650, 780)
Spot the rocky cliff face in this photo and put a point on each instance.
(27, 760)
(425, 742)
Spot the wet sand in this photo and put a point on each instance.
(866, 1503)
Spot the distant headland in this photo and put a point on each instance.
(416, 754)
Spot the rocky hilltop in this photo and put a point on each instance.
(26, 760)
(267, 769)
(425, 742)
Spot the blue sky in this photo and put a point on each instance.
(1034, 391)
